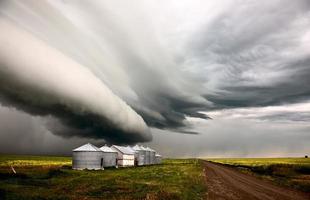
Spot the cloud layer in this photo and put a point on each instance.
(119, 64)
(41, 81)
(257, 55)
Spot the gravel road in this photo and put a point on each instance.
(228, 183)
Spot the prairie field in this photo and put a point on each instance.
(30, 161)
(289, 172)
(49, 177)
(262, 161)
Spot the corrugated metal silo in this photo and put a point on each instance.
(87, 156)
(158, 158)
(125, 156)
(109, 156)
(152, 155)
(140, 155)
(147, 154)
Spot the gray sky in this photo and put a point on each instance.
(189, 78)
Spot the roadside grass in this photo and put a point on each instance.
(290, 172)
(52, 178)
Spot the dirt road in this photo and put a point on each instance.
(227, 183)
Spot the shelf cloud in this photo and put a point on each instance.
(41, 81)
(125, 72)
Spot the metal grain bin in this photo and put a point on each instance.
(125, 156)
(140, 155)
(109, 156)
(87, 156)
(147, 154)
(152, 155)
(158, 159)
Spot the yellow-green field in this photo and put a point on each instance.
(18, 161)
(290, 172)
(262, 161)
(45, 177)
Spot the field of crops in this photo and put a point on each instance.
(290, 172)
(52, 178)
(18, 161)
(263, 161)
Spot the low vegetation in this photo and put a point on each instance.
(52, 178)
(290, 172)
(30, 161)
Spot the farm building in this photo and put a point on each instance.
(87, 156)
(125, 156)
(139, 155)
(109, 156)
(158, 158)
(152, 155)
(146, 155)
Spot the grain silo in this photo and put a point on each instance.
(87, 156)
(146, 155)
(125, 156)
(109, 156)
(152, 155)
(139, 155)
(158, 158)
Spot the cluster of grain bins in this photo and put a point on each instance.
(89, 156)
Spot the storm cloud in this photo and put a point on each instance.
(41, 81)
(257, 55)
(118, 71)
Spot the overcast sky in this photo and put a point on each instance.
(225, 78)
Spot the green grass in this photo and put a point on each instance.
(52, 178)
(290, 172)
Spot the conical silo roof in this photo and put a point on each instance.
(105, 148)
(124, 150)
(149, 149)
(143, 148)
(137, 148)
(87, 147)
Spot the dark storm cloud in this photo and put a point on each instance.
(292, 88)
(21, 133)
(70, 123)
(173, 112)
(45, 82)
(166, 65)
(142, 74)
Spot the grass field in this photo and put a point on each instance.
(52, 178)
(19, 161)
(290, 172)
